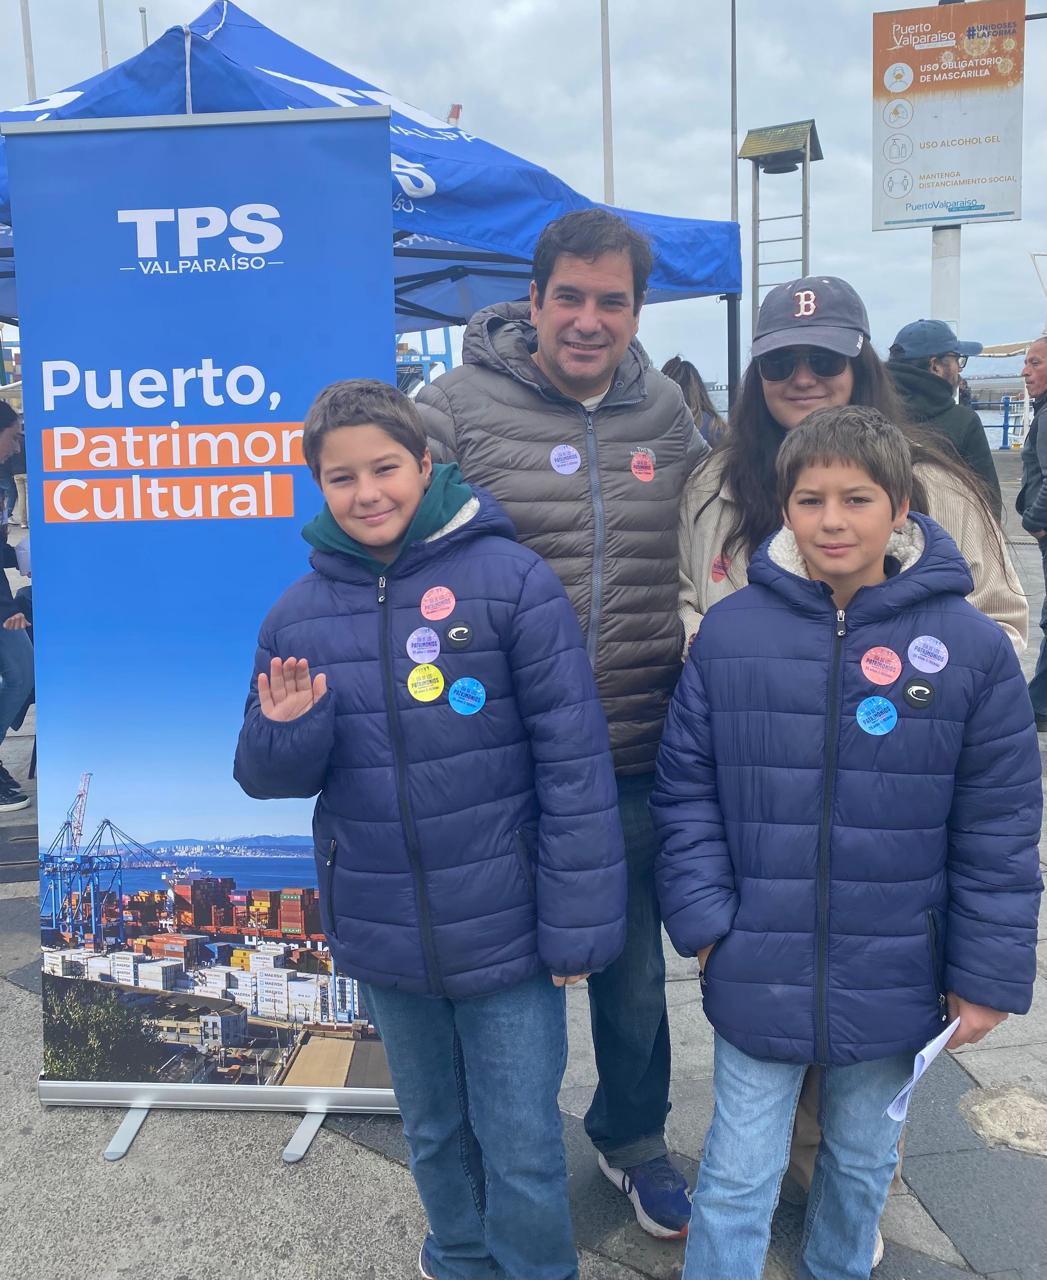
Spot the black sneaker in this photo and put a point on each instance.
(11, 799)
(7, 783)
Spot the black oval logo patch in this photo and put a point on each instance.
(919, 693)
(459, 636)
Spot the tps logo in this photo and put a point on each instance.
(175, 242)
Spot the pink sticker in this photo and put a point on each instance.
(437, 603)
(721, 567)
(642, 465)
(565, 459)
(881, 666)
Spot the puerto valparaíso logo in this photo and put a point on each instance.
(204, 239)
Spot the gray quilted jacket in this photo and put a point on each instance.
(597, 495)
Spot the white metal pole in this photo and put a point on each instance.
(756, 243)
(27, 44)
(608, 142)
(145, 26)
(805, 211)
(101, 33)
(945, 275)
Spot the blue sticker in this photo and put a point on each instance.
(466, 696)
(876, 716)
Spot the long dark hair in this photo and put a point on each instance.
(697, 397)
(751, 448)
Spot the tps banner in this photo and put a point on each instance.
(237, 264)
(947, 114)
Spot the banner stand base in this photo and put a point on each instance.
(127, 1133)
(303, 1136)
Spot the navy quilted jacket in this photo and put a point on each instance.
(459, 851)
(851, 876)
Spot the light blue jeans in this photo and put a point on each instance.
(747, 1152)
(477, 1083)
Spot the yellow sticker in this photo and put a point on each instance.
(425, 683)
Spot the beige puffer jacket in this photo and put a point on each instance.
(708, 575)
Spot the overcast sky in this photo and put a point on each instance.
(528, 74)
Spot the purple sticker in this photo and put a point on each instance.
(565, 459)
(423, 645)
(928, 654)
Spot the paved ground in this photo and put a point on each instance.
(205, 1194)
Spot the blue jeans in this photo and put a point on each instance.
(16, 673)
(747, 1151)
(1038, 683)
(477, 1083)
(626, 1120)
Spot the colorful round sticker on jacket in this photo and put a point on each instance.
(876, 716)
(437, 603)
(721, 567)
(565, 459)
(425, 683)
(928, 654)
(642, 465)
(466, 696)
(881, 665)
(423, 645)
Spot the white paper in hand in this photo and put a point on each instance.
(900, 1104)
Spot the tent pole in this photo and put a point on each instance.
(734, 346)
(27, 45)
(608, 143)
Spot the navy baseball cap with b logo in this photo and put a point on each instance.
(814, 311)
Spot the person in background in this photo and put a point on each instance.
(557, 412)
(16, 650)
(848, 799)
(12, 464)
(925, 362)
(706, 417)
(1031, 502)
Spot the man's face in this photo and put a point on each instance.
(585, 323)
(947, 367)
(1034, 371)
(9, 440)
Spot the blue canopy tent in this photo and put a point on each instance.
(466, 213)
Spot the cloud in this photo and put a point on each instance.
(528, 74)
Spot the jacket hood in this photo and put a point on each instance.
(928, 396)
(502, 338)
(481, 516)
(929, 562)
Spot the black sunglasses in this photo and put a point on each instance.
(778, 366)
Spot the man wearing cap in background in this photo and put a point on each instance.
(925, 362)
(1031, 502)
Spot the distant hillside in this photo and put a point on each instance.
(245, 842)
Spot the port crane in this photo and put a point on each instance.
(82, 880)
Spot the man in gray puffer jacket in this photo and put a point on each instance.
(558, 413)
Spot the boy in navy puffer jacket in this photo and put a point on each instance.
(429, 680)
(848, 799)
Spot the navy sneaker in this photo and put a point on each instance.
(658, 1192)
(423, 1262)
